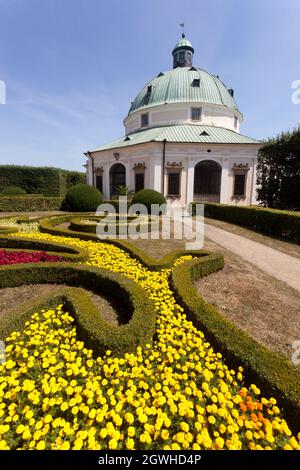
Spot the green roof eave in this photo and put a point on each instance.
(184, 133)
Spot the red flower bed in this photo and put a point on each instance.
(16, 257)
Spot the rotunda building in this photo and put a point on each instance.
(182, 138)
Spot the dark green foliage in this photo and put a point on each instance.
(91, 326)
(29, 203)
(123, 191)
(276, 223)
(83, 198)
(116, 205)
(274, 373)
(39, 180)
(148, 197)
(73, 177)
(13, 191)
(278, 172)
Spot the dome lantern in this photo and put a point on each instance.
(183, 53)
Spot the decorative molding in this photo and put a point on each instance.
(240, 167)
(116, 156)
(99, 170)
(174, 165)
(139, 166)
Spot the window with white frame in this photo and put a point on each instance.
(196, 114)
(144, 120)
(174, 183)
(239, 188)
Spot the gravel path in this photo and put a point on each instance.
(284, 267)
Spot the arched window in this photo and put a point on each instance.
(117, 177)
(207, 181)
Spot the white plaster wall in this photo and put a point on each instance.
(189, 154)
(180, 113)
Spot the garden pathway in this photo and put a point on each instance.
(284, 267)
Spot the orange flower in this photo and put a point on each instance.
(253, 417)
(250, 406)
(243, 407)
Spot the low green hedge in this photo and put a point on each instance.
(29, 203)
(97, 334)
(273, 373)
(277, 223)
(79, 225)
(6, 230)
(25, 244)
(49, 225)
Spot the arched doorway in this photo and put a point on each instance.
(117, 177)
(207, 181)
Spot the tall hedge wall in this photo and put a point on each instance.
(273, 222)
(39, 180)
(27, 204)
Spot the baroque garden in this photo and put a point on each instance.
(108, 343)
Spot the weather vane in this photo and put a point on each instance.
(182, 26)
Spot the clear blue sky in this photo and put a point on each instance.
(72, 67)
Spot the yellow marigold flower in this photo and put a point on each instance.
(113, 444)
(131, 431)
(184, 426)
(164, 434)
(103, 433)
(175, 446)
(129, 443)
(20, 429)
(129, 418)
(41, 445)
(219, 442)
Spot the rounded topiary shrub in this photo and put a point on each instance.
(148, 197)
(13, 191)
(83, 198)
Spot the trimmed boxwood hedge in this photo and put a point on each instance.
(13, 191)
(42, 180)
(49, 225)
(97, 334)
(59, 249)
(29, 203)
(273, 373)
(5, 230)
(82, 197)
(147, 197)
(78, 225)
(273, 222)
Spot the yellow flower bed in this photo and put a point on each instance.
(175, 394)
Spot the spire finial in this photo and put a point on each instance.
(182, 26)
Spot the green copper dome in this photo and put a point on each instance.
(183, 42)
(184, 85)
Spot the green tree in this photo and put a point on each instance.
(278, 171)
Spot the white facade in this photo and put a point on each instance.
(181, 158)
(181, 113)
